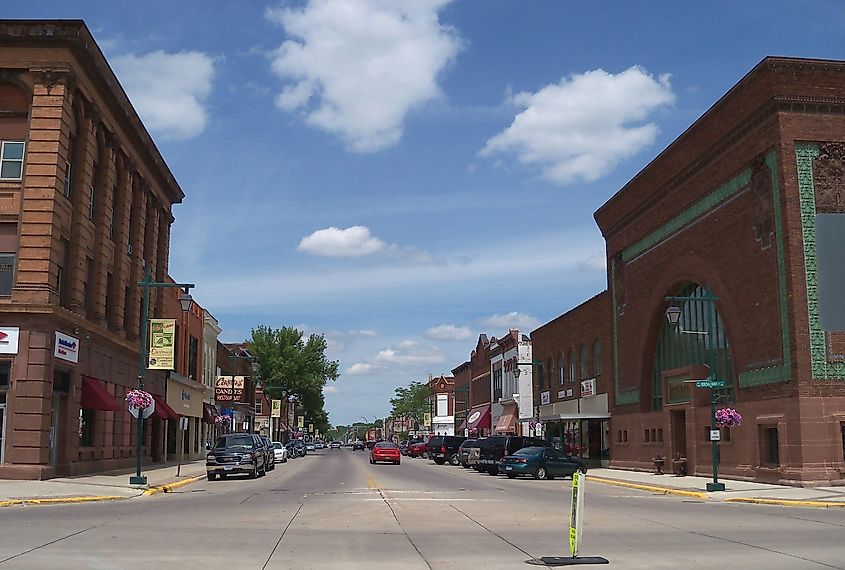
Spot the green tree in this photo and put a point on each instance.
(411, 401)
(292, 365)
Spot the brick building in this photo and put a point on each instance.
(478, 417)
(574, 380)
(85, 203)
(463, 377)
(730, 209)
(442, 404)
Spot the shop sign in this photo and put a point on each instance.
(185, 400)
(427, 419)
(545, 397)
(588, 388)
(276, 409)
(229, 388)
(162, 335)
(473, 417)
(67, 347)
(9, 340)
(561, 394)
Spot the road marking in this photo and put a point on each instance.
(441, 500)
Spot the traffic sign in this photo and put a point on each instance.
(710, 383)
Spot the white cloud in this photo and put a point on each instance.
(361, 368)
(335, 242)
(449, 333)
(329, 389)
(581, 127)
(512, 320)
(409, 352)
(596, 262)
(168, 90)
(356, 68)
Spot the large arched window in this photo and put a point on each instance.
(585, 364)
(573, 370)
(549, 367)
(699, 338)
(560, 368)
(596, 358)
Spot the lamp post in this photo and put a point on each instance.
(186, 302)
(673, 315)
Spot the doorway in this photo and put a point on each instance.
(678, 420)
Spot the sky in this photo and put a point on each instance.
(403, 175)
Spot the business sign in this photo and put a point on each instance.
(588, 387)
(9, 340)
(545, 398)
(427, 419)
(576, 512)
(301, 421)
(473, 417)
(162, 336)
(275, 408)
(67, 347)
(229, 388)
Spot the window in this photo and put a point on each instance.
(442, 404)
(497, 384)
(193, 357)
(92, 195)
(62, 284)
(585, 369)
(11, 160)
(560, 368)
(86, 428)
(659, 434)
(646, 437)
(5, 372)
(653, 434)
(7, 273)
(258, 408)
(109, 296)
(573, 374)
(597, 358)
(87, 286)
(112, 220)
(842, 427)
(68, 168)
(771, 454)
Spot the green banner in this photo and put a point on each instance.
(162, 336)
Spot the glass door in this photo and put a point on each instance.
(2, 432)
(54, 430)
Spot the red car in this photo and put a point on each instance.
(385, 451)
(419, 449)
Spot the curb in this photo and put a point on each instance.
(172, 486)
(651, 488)
(788, 502)
(62, 500)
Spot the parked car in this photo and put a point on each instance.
(443, 448)
(299, 448)
(371, 444)
(334, 445)
(463, 452)
(236, 453)
(474, 453)
(268, 451)
(493, 449)
(310, 446)
(419, 449)
(385, 451)
(280, 452)
(320, 445)
(541, 463)
(358, 446)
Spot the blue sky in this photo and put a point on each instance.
(404, 175)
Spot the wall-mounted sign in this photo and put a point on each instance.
(561, 394)
(588, 387)
(276, 409)
(229, 388)
(9, 340)
(545, 398)
(473, 417)
(162, 334)
(67, 347)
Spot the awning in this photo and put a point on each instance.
(163, 411)
(209, 413)
(478, 417)
(95, 396)
(507, 421)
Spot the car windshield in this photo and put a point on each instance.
(234, 441)
(386, 445)
(277, 445)
(529, 451)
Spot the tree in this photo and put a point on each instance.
(411, 401)
(290, 365)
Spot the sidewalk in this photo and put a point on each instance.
(112, 485)
(735, 491)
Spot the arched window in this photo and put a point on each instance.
(561, 369)
(573, 370)
(699, 338)
(549, 367)
(597, 358)
(585, 368)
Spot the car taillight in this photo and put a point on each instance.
(442, 449)
(520, 461)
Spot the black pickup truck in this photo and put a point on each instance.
(493, 449)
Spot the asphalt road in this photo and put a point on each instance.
(334, 510)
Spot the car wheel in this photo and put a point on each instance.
(493, 471)
(439, 461)
(371, 461)
(425, 455)
(212, 476)
(541, 473)
(453, 460)
(254, 473)
(511, 475)
(398, 462)
(222, 476)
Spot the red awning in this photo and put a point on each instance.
(479, 417)
(163, 411)
(507, 421)
(95, 396)
(209, 413)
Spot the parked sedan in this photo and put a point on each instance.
(419, 449)
(541, 463)
(358, 446)
(334, 445)
(385, 451)
(269, 452)
(310, 447)
(280, 452)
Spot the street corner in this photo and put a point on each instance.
(806, 503)
(169, 487)
(62, 500)
(651, 488)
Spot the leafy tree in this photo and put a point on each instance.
(411, 401)
(292, 365)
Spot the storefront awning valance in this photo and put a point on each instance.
(163, 411)
(582, 417)
(209, 413)
(507, 421)
(95, 396)
(478, 417)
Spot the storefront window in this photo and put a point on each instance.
(86, 428)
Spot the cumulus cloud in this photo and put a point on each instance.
(512, 320)
(329, 389)
(449, 333)
(335, 242)
(596, 262)
(169, 90)
(356, 68)
(581, 127)
(409, 352)
(361, 368)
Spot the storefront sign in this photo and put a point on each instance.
(162, 334)
(561, 394)
(185, 400)
(276, 409)
(229, 388)
(588, 387)
(427, 419)
(67, 347)
(9, 340)
(545, 398)
(473, 417)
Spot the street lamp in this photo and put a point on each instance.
(673, 315)
(186, 303)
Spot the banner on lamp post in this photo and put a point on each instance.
(162, 336)
(276, 409)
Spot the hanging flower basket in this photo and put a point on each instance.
(728, 417)
(221, 420)
(139, 399)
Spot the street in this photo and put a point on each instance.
(332, 509)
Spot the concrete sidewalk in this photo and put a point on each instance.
(112, 485)
(735, 491)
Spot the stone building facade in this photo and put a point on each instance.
(85, 204)
(729, 210)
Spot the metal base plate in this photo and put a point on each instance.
(567, 560)
(715, 487)
(137, 481)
